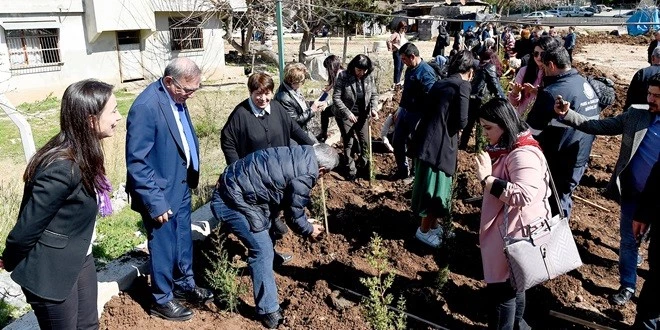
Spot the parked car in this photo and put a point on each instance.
(569, 11)
(584, 12)
(553, 12)
(627, 14)
(538, 14)
(591, 9)
(604, 8)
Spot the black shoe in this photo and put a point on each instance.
(399, 175)
(622, 296)
(281, 259)
(350, 177)
(198, 295)
(272, 320)
(172, 311)
(321, 138)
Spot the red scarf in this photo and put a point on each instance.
(524, 139)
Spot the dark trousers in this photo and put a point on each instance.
(648, 309)
(566, 180)
(349, 132)
(505, 307)
(398, 66)
(326, 114)
(570, 55)
(171, 251)
(406, 124)
(473, 112)
(77, 311)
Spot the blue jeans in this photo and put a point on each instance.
(406, 123)
(628, 247)
(260, 254)
(398, 66)
(505, 307)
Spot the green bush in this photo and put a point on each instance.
(375, 307)
(6, 312)
(222, 275)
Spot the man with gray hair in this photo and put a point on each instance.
(162, 161)
(248, 198)
(653, 45)
(639, 84)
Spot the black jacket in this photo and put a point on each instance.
(270, 180)
(652, 46)
(244, 133)
(344, 95)
(46, 248)
(441, 42)
(293, 108)
(445, 115)
(639, 85)
(486, 81)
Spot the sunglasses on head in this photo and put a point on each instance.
(537, 54)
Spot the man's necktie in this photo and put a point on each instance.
(187, 130)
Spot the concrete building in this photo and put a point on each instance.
(45, 45)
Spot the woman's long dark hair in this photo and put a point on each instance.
(332, 64)
(360, 61)
(499, 111)
(546, 43)
(77, 140)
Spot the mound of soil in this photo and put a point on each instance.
(311, 284)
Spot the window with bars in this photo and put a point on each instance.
(186, 33)
(33, 48)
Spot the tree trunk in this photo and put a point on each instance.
(343, 55)
(304, 45)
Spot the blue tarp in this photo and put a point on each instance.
(649, 15)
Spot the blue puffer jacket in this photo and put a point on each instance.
(269, 180)
(558, 140)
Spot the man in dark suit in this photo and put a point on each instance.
(639, 85)
(162, 160)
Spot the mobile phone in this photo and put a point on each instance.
(323, 96)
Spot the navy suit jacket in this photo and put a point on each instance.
(158, 176)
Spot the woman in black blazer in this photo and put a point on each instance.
(356, 99)
(49, 250)
(437, 141)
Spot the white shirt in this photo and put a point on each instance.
(175, 110)
(258, 112)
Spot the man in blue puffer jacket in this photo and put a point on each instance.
(248, 197)
(565, 148)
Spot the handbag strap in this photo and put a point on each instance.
(554, 192)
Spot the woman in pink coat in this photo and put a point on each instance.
(514, 174)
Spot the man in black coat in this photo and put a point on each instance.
(648, 310)
(653, 45)
(639, 85)
(248, 198)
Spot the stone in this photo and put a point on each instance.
(338, 302)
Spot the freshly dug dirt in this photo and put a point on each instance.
(356, 210)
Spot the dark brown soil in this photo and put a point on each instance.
(357, 210)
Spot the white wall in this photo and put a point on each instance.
(100, 60)
(40, 6)
(80, 61)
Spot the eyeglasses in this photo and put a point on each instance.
(185, 90)
(537, 54)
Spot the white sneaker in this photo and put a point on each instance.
(429, 238)
(437, 231)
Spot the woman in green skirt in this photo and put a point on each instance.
(437, 142)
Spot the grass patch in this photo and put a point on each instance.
(117, 234)
(6, 312)
(10, 197)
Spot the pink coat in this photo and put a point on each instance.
(520, 101)
(526, 193)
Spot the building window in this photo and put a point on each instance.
(186, 33)
(33, 48)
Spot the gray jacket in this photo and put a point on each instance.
(632, 125)
(345, 95)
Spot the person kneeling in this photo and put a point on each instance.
(248, 197)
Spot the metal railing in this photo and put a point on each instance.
(33, 51)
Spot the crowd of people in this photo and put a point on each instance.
(542, 127)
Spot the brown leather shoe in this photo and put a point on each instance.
(172, 311)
